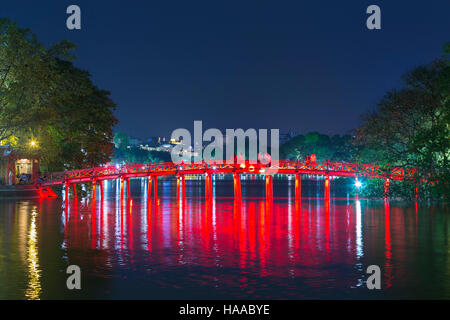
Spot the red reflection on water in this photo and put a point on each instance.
(388, 248)
(264, 237)
(327, 223)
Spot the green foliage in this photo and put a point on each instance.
(138, 155)
(44, 97)
(336, 148)
(411, 127)
(121, 140)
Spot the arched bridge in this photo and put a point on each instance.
(208, 169)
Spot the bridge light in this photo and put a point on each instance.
(358, 184)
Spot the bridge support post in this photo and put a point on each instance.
(269, 186)
(180, 187)
(327, 187)
(386, 188)
(149, 188)
(101, 189)
(121, 190)
(237, 186)
(128, 189)
(416, 192)
(183, 189)
(208, 185)
(155, 191)
(67, 192)
(94, 189)
(298, 187)
(74, 189)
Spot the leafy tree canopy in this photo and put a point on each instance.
(411, 125)
(335, 148)
(48, 107)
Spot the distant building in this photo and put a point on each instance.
(15, 169)
(159, 144)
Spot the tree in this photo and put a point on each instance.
(44, 97)
(80, 121)
(410, 126)
(336, 148)
(26, 78)
(121, 140)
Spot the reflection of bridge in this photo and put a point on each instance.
(154, 170)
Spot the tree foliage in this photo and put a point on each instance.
(335, 148)
(121, 140)
(410, 126)
(132, 154)
(44, 97)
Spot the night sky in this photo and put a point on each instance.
(293, 65)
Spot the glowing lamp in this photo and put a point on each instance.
(358, 184)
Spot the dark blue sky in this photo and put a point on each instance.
(301, 65)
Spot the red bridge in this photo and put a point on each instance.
(153, 170)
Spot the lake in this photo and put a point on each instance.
(224, 249)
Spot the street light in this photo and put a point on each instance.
(33, 143)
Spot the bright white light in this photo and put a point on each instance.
(358, 184)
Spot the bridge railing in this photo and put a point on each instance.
(282, 166)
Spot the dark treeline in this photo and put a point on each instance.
(134, 154)
(334, 148)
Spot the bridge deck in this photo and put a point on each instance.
(281, 167)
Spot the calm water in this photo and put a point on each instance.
(254, 249)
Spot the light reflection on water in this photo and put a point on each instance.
(222, 248)
(33, 290)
